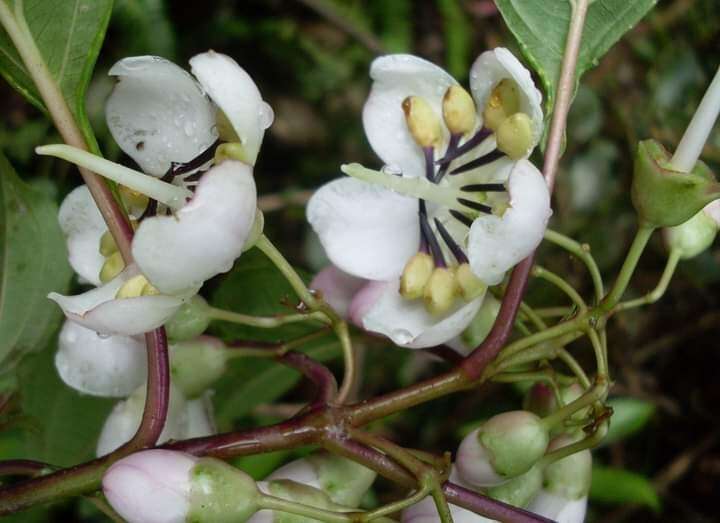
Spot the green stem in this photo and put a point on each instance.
(300, 509)
(586, 443)
(553, 312)
(600, 352)
(574, 366)
(596, 393)
(642, 236)
(561, 284)
(581, 251)
(659, 290)
(266, 322)
(531, 315)
(577, 324)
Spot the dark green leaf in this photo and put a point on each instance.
(541, 29)
(146, 27)
(64, 423)
(33, 262)
(69, 35)
(629, 416)
(458, 37)
(617, 486)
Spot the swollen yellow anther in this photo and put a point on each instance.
(108, 247)
(503, 102)
(423, 123)
(135, 287)
(113, 266)
(469, 285)
(440, 291)
(135, 202)
(515, 136)
(231, 151)
(416, 275)
(458, 110)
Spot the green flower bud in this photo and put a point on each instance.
(220, 493)
(196, 364)
(540, 400)
(692, 237)
(520, 490)
(189, 321)
(568, 477)
(515, 440)
(344, 480)
(664, 197)
(298, 493)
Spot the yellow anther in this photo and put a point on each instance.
(458, 110)
(503, 102)
(515, 136)
(416, 275)
(113, 266)
(440, 291)
(108, 247)
(470, 286)
(135, 287)
(135, 202)
(423, 123)
(231, 151)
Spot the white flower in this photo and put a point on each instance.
(111, 366)
(337, 288)
(152, 486)
(559, 508)
(455, 207)
(101, 309)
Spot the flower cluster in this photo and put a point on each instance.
(456, 205)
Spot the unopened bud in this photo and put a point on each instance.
(415, 276)
(470, 285)
(459, 110)
(692, 237)
(440, 291)
(190, 320)
(423, 123)
(503, 102)
(220, 493)
(113, 266)
(520, 490)
(135, 287)
(569, 477)
(196, 364)
(540, 400)
(515, 136)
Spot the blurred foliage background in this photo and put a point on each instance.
(310, 59)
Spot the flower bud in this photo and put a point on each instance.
(664, 197)
(220, 493)
(415, 276)
(423, 123)
(692, 237)
(200, 418)
(503, 102)
(152, 486)
(540, 400)
(296, 492)
(196, 364)
(440, 291)
(520, 490)
(343, 480)
(505, 446)
(458, 110)
(515, 136)
(135, 287)
(470, 285)
(114, 265)
(189, 321)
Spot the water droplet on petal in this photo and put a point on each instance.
(392, 169)
(401, 336)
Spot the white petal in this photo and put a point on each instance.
(367, 231)
(496, 244)
(426, 512)
(111, 366)
(203, 238)
(99, 310)
(158, 114)
(558, 508)
(83, 226)
(491, 68)
(232, 89)
(337, 288)
(712, 209)
(395, 77)
(300, 470)
(408, 324)
(364, 300)
(125, 418)
(200, 419)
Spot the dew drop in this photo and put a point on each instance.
(102, 336)
(392, 169)
(401, 336)
(266, 115)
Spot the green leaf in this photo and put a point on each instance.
(69, 34)
(33, 262)
(629, 416)
(458, 37)
(146, 27)
(64, 423)
(617, 486)
(541, 29)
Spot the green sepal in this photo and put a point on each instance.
(344, 480)
(520, 490)
(299, 493)
(693, 236)
(196, 364)
(664, 197)
(190, 320)
(515, 440)
(220, 493)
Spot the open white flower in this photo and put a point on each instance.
(111, 366)
(455, 207)
(127, 305)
